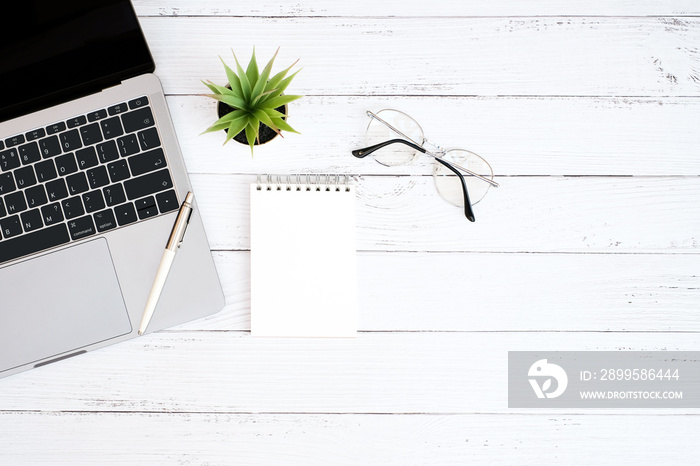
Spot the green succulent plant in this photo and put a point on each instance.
(254, 97)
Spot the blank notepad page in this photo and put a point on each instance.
(303, 267)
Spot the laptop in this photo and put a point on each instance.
(91, 180)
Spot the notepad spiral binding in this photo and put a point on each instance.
(306, 182)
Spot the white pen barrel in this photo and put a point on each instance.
(158, 284)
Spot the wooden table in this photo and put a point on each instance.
(588, 113)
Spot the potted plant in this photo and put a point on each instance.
(252, 108)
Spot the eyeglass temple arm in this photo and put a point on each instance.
(364, 152)
(468, 212)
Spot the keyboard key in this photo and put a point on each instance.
(87, 158)
(107, 151)
(77, 183)
(77, 121)
(72, 207)
(10, 226)
(114, 195)
(50, 146)
(147, 162)
(35, 134)
(66, 164)
(3, 212)
(32, 242)
(112, 127)
(149, 139)
(15, 202)
(118, 170)
(93, 201)
(14, 140)
(24, 177)
(125, 214)
(148, 184)
(97, 177)
(117, 109)
(2, 144)
(70, 140)
(52, 213)
(167, 201)
(9, 159)
(7, 183)
(138, 119)
(140, 102)
(105, 220)
(81, 227)
(91, 134)
(147, 212)
(36, 196)
(144, 203)
(29, 153)
(56, 190)
(97, 115)
(56, 128)
(31, 220)
(45, 171)
(128, 145)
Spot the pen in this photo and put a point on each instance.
(176, 235)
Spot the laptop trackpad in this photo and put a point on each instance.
(58, 303)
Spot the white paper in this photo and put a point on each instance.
(303, 262)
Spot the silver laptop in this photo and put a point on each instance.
(91, 179)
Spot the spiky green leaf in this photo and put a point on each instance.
(252, 71)
(281, 100)
(258, 100)
(235, 127)
(230, 100)
(283, 125)
(272, 113)
(266, 120)
(243, 78)
(212, 87)
(276, 79)
(233, 80)
(260, 85)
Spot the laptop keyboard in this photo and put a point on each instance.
(81, 177)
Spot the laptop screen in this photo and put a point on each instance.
(52, 51)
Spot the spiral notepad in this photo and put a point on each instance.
(303, 269)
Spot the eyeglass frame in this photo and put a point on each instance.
(364, 152)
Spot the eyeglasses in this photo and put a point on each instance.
(451, 184)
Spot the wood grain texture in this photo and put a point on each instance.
(383, 372)
(361, 8)
(517, 136)
(500, 292)
(587, 112)
(534, 214)
(469, 56)
(260, 439)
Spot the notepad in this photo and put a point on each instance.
(303, 265)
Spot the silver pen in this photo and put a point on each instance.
(176, 235)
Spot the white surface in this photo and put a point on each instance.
(587, 112)
(303, 272)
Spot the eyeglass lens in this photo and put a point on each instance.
(395, 154)
(446, 182)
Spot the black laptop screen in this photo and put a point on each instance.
(52, 51)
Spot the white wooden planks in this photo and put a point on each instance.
(378, 372)
(441, 56)
(322, 439)
(511, 8)
(516, 135)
